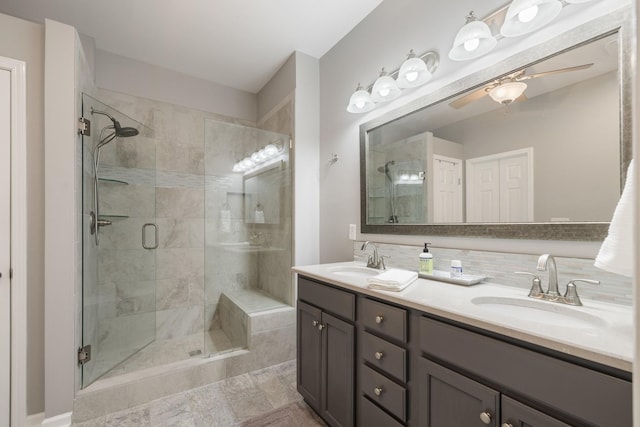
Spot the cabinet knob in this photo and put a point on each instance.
(378, 391)
(315, 323)
(485, 417)
(507, 425)
(378, 355)
(379, 318)
(320, 326)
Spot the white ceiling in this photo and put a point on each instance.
(236, 43)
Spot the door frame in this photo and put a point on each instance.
(18, 388)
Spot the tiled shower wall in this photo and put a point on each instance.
(183, 303)
(499, 267)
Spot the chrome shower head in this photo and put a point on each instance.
(121, 132)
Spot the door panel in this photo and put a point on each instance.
(309, 353)
(5, 246)
(338, 346)
(447, 189)
(450, 399)
(118, 284)
(516, 414)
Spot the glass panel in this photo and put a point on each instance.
(248, 226)
(119, 275)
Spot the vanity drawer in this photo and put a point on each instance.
(327, 298)
(373, 416)
(385, 356)
(539, 377)
(384, 392)
(385, 319)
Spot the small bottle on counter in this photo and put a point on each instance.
(456, 269)
(425, 262)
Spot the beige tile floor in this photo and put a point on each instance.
(261, 398)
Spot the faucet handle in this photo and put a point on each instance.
(382, 266)
(571, 294)
(536, 284)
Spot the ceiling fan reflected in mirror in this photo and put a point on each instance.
(510, 88)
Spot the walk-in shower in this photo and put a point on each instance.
(194, 251)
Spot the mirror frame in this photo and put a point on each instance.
(617, 22)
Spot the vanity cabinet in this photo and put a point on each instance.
(502, 384)
(326, 351)
(370, 362)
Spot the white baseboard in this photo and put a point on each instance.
(62, 420)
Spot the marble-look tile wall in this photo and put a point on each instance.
(498, 267)
(179, 176)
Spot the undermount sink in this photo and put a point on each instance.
(546, 312)
(354, 271)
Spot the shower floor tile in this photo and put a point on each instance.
(162, 352)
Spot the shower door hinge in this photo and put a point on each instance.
(84, 354)
(84, 126)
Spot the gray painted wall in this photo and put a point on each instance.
(382, 39)
(133, 77)
(24, 40)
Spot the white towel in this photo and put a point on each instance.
(616, 253)
(392, 280)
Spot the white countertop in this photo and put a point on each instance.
(606, 339)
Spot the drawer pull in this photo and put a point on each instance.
(485, 417)
(379, 318)
(378, 355)
(507, 425)
(315, 323)
(378, 390)
(321, 326)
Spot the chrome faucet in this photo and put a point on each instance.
(548, 261)
(570, 297)
(374, 260)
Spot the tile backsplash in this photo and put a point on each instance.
(499, 267)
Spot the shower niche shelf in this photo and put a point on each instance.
(112, 181)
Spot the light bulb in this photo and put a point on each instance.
(528, 14)
(255, 157)
(411, 76)
(360, 103)
(471, 45)
(270, 150)
(385, 91)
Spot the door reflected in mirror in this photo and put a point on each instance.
(548, 153)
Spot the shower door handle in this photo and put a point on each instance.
(144, 236)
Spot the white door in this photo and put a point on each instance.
(483, 191)
(500, 187)
(5, 244)
(514, 186)
(447, 189)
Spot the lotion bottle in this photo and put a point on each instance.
(425, 262)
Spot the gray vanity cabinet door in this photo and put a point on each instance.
(516, 414)
(338, 371)
(309, 353)
(449, 399)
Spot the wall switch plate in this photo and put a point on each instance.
(352, 232)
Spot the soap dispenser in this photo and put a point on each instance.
(426, 261)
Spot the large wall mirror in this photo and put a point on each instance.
(536, 147)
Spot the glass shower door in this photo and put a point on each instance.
(119, 236)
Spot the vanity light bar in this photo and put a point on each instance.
(415, 71)
(520, 17)
(263, 155)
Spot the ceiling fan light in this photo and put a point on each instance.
(525, 16)
(508, 92)
(385, 88)
(474, 39)
(360, 101)
(413, 72)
